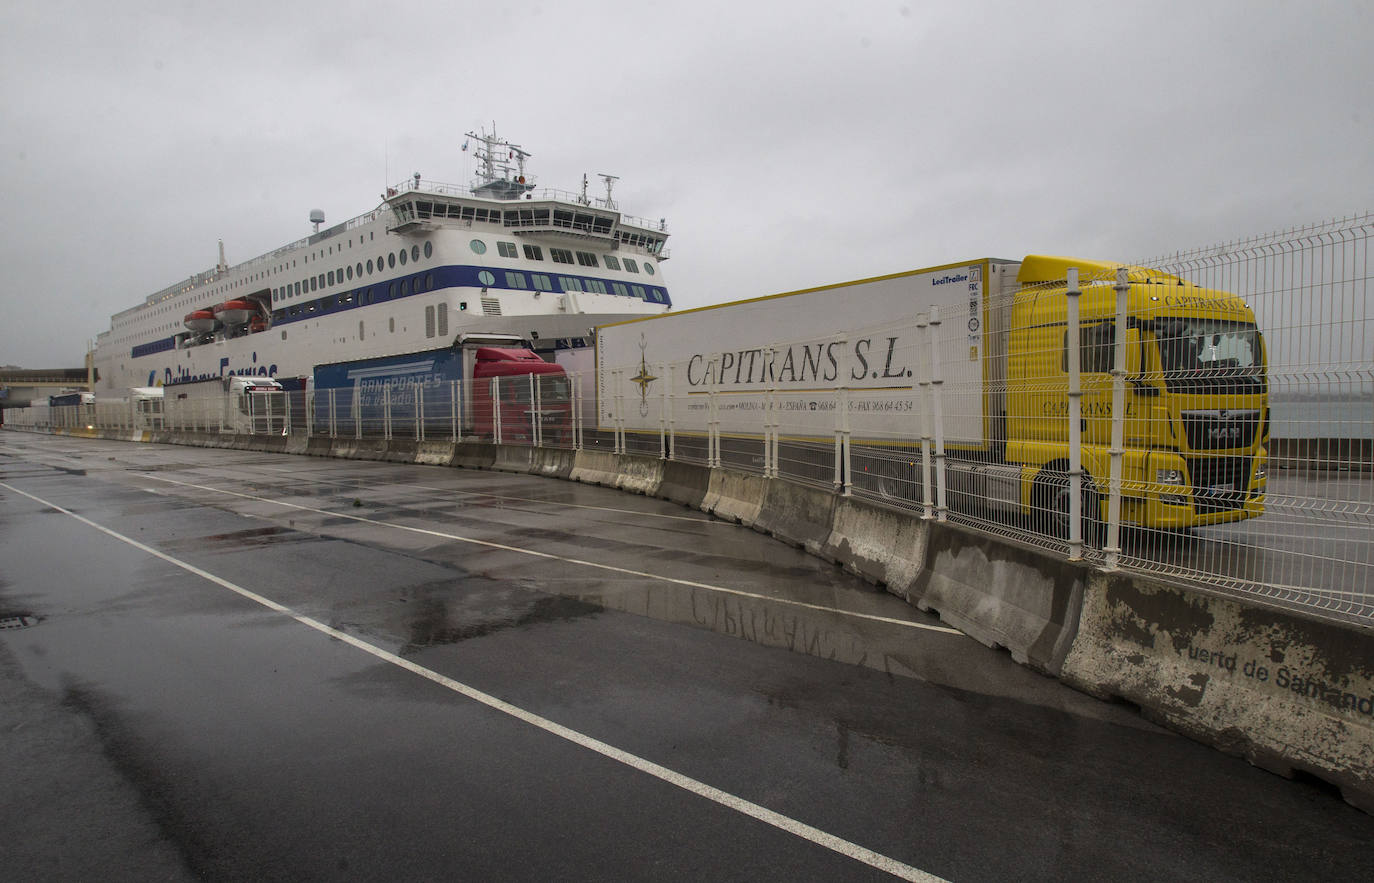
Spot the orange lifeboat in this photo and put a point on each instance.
(235, 312)
(200, 321)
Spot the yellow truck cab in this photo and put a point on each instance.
(1196, 398)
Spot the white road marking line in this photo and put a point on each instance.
(701, 789)
(579, 561)
(455, 492)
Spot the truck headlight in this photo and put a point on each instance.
(1173, 477)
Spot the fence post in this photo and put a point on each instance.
(577, 399)
(713, 428)
(386, 411)
(937, 410)
(669, 397)
(357, 401)
(1112, 549)
(454, 390)
(419, 412)
(1075, 419)
(496, 409)
(663, 418)
(923, 382)
(536, 436)
(770, 453)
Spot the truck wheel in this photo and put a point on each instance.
(1053, 508)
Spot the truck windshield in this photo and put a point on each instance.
(1221, 356)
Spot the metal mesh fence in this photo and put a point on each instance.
(1205, 416)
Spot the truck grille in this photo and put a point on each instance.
(1219, 483)
(1211, 430)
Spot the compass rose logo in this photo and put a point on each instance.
(643, 378)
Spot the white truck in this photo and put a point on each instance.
(248, 405)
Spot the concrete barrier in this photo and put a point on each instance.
(552, 462)
(1286, 692)
(473, 455)
(434, 453)
(684, 483)
(596, 467)
(797, 514)
(735, 496)
(401, 450)
(881, 545)
(1002, 595)
(512, 458)
(639, 475)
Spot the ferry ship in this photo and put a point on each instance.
(431, 262)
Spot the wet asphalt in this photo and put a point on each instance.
(160, 724)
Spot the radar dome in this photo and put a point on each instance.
(317, 218)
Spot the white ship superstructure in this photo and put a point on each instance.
(431, 262)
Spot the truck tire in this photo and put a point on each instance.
(1052, 508)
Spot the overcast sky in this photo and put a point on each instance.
(787, 144)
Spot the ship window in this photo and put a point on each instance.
(321, 279)
(612, 262)
(515, 280)
(391, 323)
(639, 292)
(542, 282)
(534, 252)
(348, 272)
(659, 296)
(596, 285)
(415, 252)
(567, 283)
(429, 248)
(429, 321)
(313, 284)
(478, 246)
(586, 259)
(507, 249)
(649, 268)
(283, 334)
(561, 255)
(405, 287)
(395, 288)
(369, 266)
(631, 266)
(359, 270)
(620, 289)
(429, 281)
(402, 256)
(360, 329)
(443, 320)
(391, 260)
(331, 277)
(486, 278)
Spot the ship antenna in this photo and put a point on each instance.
(223, 264)
(610, 182)
(584, 200)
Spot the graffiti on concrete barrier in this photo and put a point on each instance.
(1285, 677)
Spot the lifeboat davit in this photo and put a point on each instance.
(235, 312)
(200, 321)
